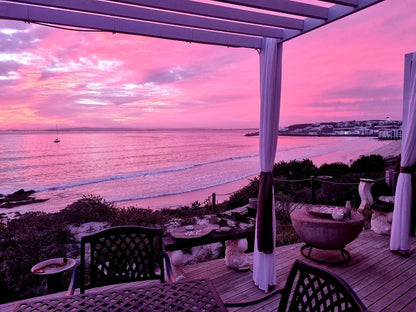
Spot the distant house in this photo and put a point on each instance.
(366, 131)
(390, 134)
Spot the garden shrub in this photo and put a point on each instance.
(335, 170)
(88, 209)
(295, 169)
(34, 237)
(240, 198)
(368, 164)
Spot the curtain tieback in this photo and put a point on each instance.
(265, 213)
(407, 170)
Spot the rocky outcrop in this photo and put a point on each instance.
(19, 198)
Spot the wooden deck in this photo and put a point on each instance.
(385, 281)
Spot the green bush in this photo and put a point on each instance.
(240, 198)
(368, 164)
(295, 169)
(32, 238)
(87, 209)
(335, 170)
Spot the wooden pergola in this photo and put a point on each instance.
(258, 24)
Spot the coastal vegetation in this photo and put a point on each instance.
(36, 236)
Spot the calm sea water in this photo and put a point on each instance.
(150, 169)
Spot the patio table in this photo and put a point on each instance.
(193, 295)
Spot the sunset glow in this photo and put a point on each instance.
(350, 69)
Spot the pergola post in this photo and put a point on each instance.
(403, 218)
(264, 269)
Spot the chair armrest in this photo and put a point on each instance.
(255, 301)
(73, 282)
(169, 272)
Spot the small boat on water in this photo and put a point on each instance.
(57, 139)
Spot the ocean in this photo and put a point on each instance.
(150, 168)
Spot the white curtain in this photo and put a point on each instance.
(400, 231)
(264, 262)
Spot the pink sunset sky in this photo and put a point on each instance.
(350, 69)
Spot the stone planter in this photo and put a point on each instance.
(367, 201)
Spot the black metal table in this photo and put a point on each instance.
(194, 295)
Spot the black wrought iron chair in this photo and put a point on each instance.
(309, 288)
(122, 254)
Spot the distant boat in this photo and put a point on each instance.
(57, 139)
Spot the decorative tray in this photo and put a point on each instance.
(53, 266)
(321, 211)
(190, 231)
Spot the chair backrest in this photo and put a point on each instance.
(309, 288)
(121, 254)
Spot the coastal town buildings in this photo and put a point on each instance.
(383, 129)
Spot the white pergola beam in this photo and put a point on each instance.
(352, 3)
(29, 13)
(288, 7)
(217, 11)
(336, 12)
(152, 15)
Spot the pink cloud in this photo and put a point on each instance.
(350, 69)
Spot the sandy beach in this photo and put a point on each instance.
(392, 149)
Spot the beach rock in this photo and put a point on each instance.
(19, 198)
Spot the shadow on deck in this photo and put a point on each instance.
(384, 281)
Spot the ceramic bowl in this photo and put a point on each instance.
(336, 215)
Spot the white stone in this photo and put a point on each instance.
(381, 222)
(235, 257)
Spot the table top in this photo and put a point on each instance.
(190, 231)
(194, 295)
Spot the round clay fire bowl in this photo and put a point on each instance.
(326, 233)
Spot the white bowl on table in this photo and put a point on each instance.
(337, 215)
